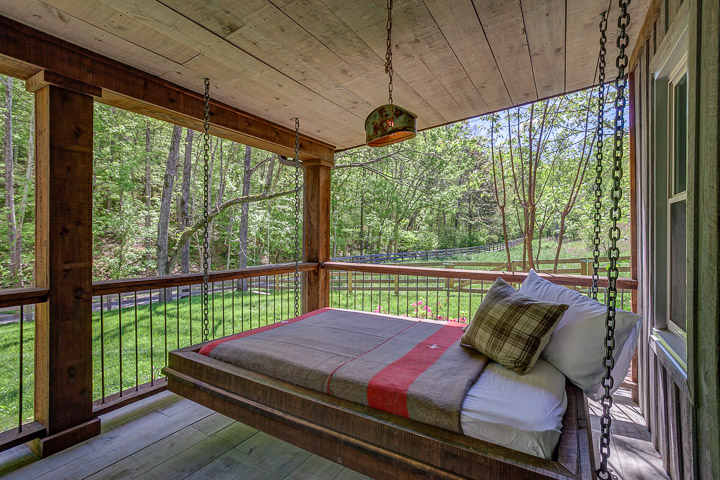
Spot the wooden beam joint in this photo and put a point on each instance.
(45, 77)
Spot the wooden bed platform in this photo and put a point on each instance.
(379, 444)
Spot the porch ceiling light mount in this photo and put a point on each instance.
(389, 123)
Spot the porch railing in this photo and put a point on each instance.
(17, 357)
(437, 293)
(137, 322)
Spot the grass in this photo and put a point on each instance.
(130, 345)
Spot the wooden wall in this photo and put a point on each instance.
(681, 407)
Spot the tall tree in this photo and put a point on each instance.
(578, 178)
(500, 204)
(244, 211)
(185, 199)
(8, 152)
(166, 201)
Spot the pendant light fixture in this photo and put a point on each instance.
(389, 123)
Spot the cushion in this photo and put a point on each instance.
(512, 328)
(577, 347)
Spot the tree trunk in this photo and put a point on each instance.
(148, 192)
(185, 199)
(166, 202)
(28, 179)
(13, 239)
(244, 211)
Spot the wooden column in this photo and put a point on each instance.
(316, 231)
(63, 252)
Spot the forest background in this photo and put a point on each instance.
(526, 172)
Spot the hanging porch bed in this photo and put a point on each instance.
(244, 377)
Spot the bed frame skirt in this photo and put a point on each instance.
(378, 444)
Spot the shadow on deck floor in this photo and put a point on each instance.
(167, 437)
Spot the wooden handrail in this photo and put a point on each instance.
(109, 287)
(517, 277)
(22, 296)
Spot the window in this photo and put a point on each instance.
(670, 188)
(677, 197)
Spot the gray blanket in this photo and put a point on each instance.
(416, 369)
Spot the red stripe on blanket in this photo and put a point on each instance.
(210, 346)
(388, 389)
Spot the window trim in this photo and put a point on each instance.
(678, 72)
(667, 66)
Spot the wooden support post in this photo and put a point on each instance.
(349, 281)
(63, 265)
(397, 285)
(316, 231)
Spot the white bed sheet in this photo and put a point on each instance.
(519, 412)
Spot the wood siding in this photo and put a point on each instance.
(681, 407)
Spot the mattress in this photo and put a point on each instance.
(519, 412)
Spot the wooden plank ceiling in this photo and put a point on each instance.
(322, 60)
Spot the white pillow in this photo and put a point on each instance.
(577, 346)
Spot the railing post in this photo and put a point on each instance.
(397, 285)
(316, 231)
(349, 281)
(63, 263)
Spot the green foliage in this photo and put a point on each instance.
(435, 191)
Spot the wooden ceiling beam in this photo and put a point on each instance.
(25, 51)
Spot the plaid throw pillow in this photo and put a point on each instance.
(512, 328)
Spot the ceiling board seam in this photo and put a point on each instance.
(453, 50)
(487, 40)
(527, 42)
(111, 34)
(259, 60)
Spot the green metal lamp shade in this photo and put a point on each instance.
(389, 124)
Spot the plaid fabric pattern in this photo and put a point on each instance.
(512, 328)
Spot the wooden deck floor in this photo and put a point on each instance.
(167, 437)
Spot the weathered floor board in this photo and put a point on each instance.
(168, 437)
(632, 455)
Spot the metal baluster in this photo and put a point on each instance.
(152, 360)
(223, 307)
(242, 305)
(177, 314)
(120, 340)
(213, 310)
(102, 349)
(362, 306)
(20, 370)
(232, 306)
(137, 371)
(190, 295)
(165, 292)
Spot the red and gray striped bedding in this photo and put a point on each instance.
(415, 369)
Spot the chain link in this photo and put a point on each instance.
(614, 234)
(388, 53)
(297, 217)
(599, 157)
(206, 212)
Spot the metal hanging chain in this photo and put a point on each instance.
(297, 217)
(388, 53)
(206, 212)
(599, 157)
(614, 234)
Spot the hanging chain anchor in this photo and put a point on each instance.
(614, 253)
(297, 217)
(206, 212)
(599, 157)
